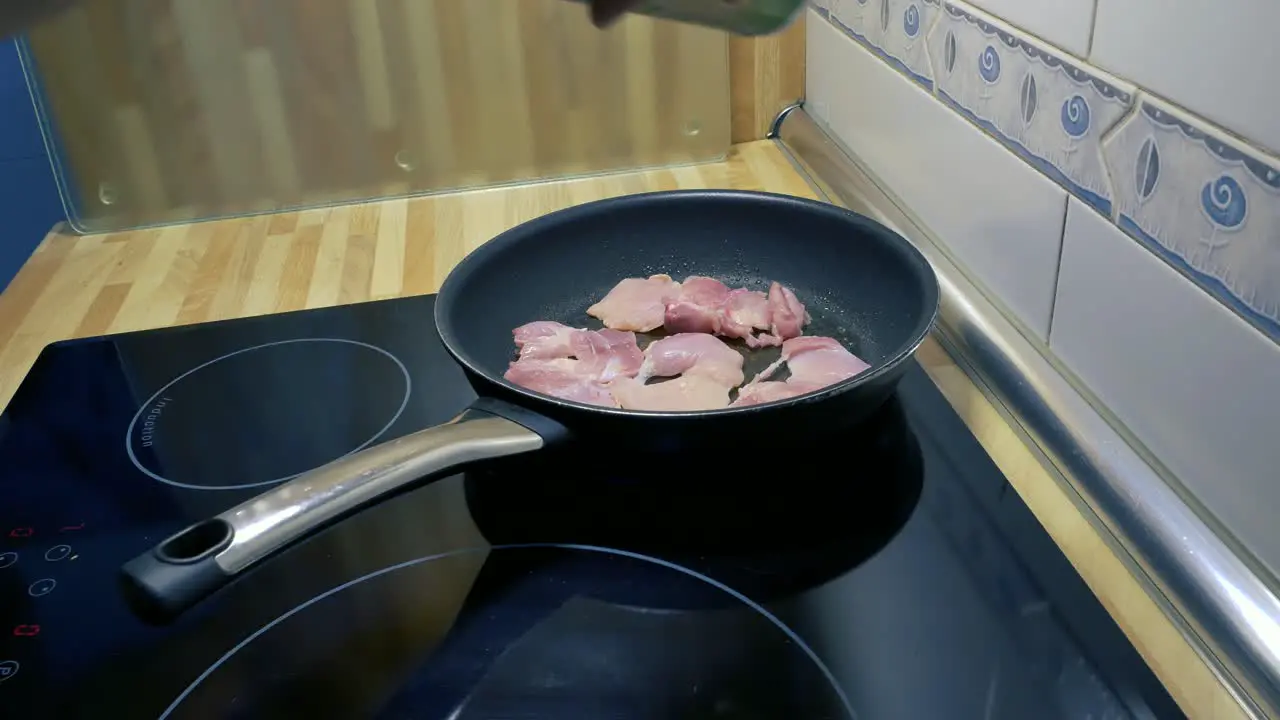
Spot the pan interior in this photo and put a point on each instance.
(861, 283)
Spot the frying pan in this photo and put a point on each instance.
(862, 284)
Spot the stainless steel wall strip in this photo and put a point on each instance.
(1227, 608)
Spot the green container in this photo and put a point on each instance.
(740, 17)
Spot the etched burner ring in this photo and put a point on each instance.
(192, 454)
(205, 688)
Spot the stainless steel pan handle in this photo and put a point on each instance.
(192, 564)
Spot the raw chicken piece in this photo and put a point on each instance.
(745, 313)
(706, 368)
(685, 393)
(814, 359)
(814, 362)
(706, 305)
(636, 304)
(559, 377)
(544, 339)
(820, 360)
(606, 354)
(692, 355)
(572, 363)
(770, 390)
(699, 308)
(786, 314)
(703, 305)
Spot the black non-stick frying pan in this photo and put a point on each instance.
(862, 284)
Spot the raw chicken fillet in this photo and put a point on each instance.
(636, 304)
(692, 368)
(572, 363)
(703, 305)
(814, 363)
(704, 371)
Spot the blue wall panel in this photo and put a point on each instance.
(29, 204)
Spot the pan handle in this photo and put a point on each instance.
(196, 562)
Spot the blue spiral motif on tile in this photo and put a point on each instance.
(1264, 173)
(1034, 52)
(1224, 203)
(989, 65)
(911, 21)
(1075, 116)
(1147, 170)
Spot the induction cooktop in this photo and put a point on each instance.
(887, 572)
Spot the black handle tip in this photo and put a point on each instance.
(162, 583)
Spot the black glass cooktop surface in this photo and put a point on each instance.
(887, 572)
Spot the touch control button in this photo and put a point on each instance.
(57, 552)
(8, 668)
(44, 586)
(8, 558)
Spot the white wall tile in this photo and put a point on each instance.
(1195, 383)
(1064, 23)
(1001, 218)
(1218, 59)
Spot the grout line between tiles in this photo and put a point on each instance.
(1093, 30)
(1057, 271)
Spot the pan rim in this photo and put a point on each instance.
(519, 233)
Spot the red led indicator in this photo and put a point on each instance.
(71, 528)
(22, 532)
(26, 630)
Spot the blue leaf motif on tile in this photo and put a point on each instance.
(1224, 203)
(911, 20)
(989, 65)
(1075, 116)
(884, 15)
(1147, 169)
(862, 2)
(949, 52)
(1029, 98)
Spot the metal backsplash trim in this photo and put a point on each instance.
(1226, 608)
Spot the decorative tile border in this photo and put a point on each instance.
(893, 30)
(1207, 204)
(1044, 105)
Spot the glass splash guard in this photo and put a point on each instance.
(160, 111)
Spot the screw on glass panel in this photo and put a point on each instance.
(106, 194)
(404, 160)
(693, 127)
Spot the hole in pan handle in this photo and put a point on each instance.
(199, 560)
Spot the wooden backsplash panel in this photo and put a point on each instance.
(170, 110)
(767, 74)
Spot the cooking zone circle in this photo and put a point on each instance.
(521, 650)
(247, 419)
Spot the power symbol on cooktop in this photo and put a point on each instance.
(8, 558)
(57, 552)
(8, 668)
(43, 586)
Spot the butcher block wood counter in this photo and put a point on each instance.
(80, 286)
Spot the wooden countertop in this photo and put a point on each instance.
(77, 286)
